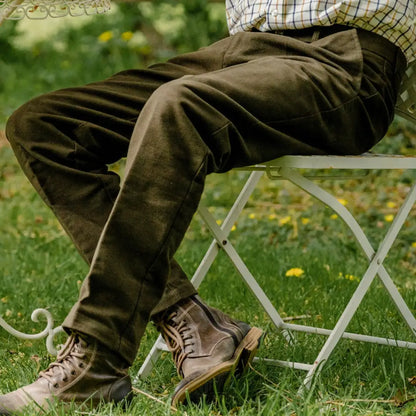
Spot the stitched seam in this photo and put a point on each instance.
(214, 323)
(357, 96)
(162, 246)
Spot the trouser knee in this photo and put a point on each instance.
(26, 125)
(186, 113)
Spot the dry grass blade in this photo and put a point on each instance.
(398, 402)
(149, 396)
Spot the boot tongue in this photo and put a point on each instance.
(67, 347)
(188, 328)
(75, 342)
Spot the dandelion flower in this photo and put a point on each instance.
(388, 218)
(414, 244)
(285, 220)
(105, 36)
(252, 216)
(352, 277)
(294, 272)
(342, 201)
(127, 35)
(272, 217)
(391, 204)
(333, 216)
(233, 228)
(305, 221)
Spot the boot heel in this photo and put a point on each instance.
(254, 339)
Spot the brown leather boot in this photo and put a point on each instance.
(84, 371)
(207, 347)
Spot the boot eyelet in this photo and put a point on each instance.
(56, 385)
(73, 372)
(81, 365)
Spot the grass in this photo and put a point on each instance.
(280, 229)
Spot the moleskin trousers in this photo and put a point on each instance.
(246, 99)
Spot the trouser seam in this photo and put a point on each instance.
(328, 111)
(163, 245)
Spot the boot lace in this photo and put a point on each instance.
(177, 338)
(66, 362)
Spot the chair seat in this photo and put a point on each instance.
(363, 161)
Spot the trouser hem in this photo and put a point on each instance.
(99, 332)
(175, 296)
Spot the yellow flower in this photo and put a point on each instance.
(414, 244)
(127, 35)
(219, 222)
(389, 218)
(333, 216)
(233, 228)
(305, 221)
(105, 36)
(296, 272)
(342, 201)
(391, 204)
(350, 277)
(272, 217)
(252, 216)
(285, 220)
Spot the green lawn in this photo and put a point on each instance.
(281, 228)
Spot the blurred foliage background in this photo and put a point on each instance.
(40, 56)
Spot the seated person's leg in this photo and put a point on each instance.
(259, 106)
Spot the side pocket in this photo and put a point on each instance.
(343, 50)
(380, 78)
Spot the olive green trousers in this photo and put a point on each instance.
(246, 99)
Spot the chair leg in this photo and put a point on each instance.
(222, 239)
(207, 260)
(151, 358)
(329, 200)
(375, 267)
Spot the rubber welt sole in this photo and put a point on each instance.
(207, 383)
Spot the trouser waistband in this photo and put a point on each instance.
(368, 40)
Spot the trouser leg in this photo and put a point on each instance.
(269, 97)
(65, 141)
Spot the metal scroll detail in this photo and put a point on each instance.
(41, 9)
(49, 332)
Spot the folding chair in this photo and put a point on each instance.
(289, 168)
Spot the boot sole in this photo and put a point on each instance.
(207, 383)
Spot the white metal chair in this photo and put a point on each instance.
(289, 168)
